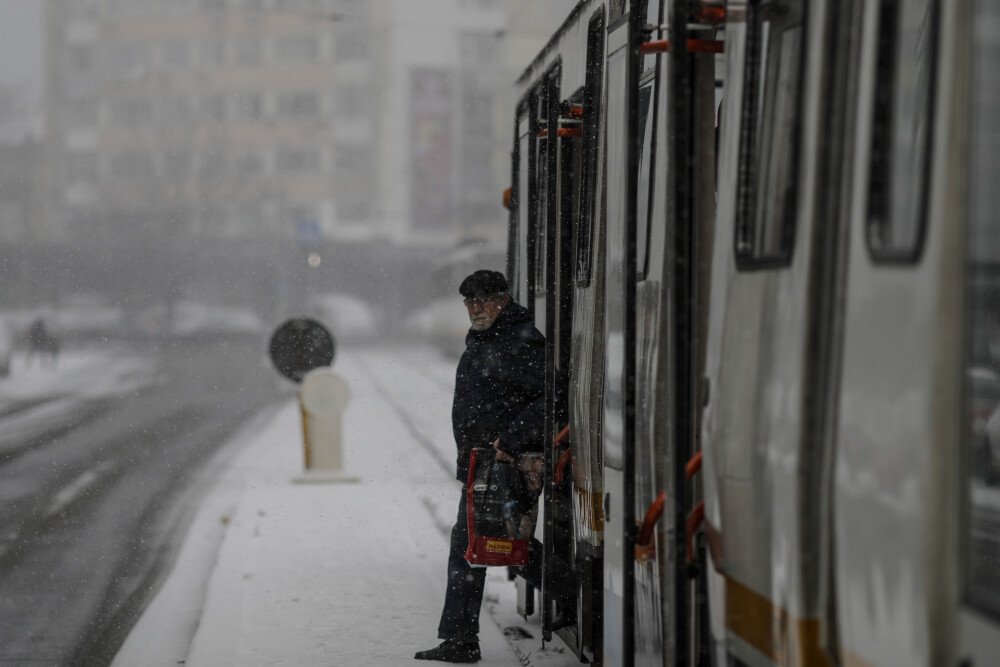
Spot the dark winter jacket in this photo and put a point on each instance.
(500, 388)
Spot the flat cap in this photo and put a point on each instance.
(483, 283)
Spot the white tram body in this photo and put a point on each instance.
(765, 277)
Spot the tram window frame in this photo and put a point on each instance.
(980, 588)
(616, 13)
(883, 197)
(540, 219)
(647, 154)
(571, 181)
(761, 242)
(531, 208)
(593, 102)
(619, 16)
(518, 219)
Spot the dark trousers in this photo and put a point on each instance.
(464, 597)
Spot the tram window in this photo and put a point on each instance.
(538, 195)
(617, 10)
(541, 214)
(570, 178)
(541, 188)
(519, 212)
(982, 437)
(897, 192)
(643, 209)
(592, 98)
(769, 136)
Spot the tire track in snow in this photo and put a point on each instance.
(404, 416)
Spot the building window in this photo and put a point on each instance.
(249, 218)
(353, 160)
(297, 160)
(352, 101)
(352, 8)
(354, 208)
(81, 167)
(248, 51)
(296, 49)
(179, 6)
(81, 10)
(213, 108)
(176, 110)
(82, 58)
(248, 162)
(301, 212)
(298, 105)
(213, 53)
(213, 164)
(127, 62)
(177, 164)
(133, 166)
(80, 113)
(175, 55)
(351, 45)
(130, 112)
(248, 106)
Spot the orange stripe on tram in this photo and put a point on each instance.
(772, 630)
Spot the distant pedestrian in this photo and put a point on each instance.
(499, 402)
(41, 342)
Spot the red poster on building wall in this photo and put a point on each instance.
(430, 148)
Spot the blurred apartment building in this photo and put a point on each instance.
(345, 120)
(209, 118)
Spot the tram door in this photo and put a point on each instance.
(652, 569)
(616, 282)
(635, 574)
(547, 161)
(980, 631)
(562, 132)
(586, 353)
(526, 265)
(768, 353)
(898, 418)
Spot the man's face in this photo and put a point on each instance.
(483, 311)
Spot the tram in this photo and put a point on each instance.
(763, 244)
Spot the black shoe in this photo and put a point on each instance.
(451, 651)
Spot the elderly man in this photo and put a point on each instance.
(499, 402)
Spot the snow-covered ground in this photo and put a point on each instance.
(87, 372)
(278, 572)
(41, 394)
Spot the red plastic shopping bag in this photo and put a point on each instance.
(496, 517)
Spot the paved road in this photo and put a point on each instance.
(89, 511)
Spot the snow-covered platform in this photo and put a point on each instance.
(274, 572)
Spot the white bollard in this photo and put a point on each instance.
(323, 397)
